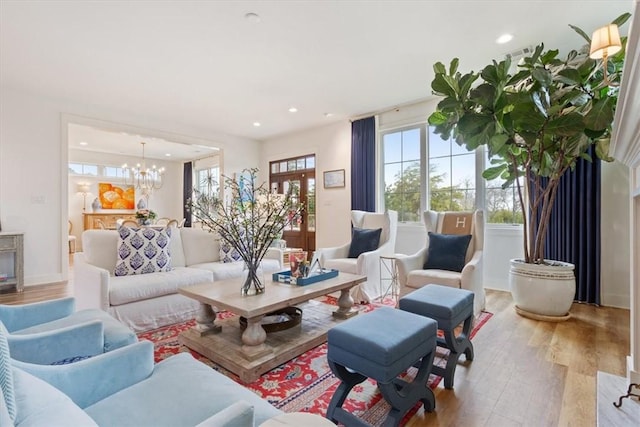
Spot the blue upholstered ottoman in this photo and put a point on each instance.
(449, 307)
(381, 345)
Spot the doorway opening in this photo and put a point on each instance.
(299, 172)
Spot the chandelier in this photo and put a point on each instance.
(143, 178)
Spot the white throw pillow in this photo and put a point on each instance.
(143, 250)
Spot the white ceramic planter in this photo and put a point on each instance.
(544, 290)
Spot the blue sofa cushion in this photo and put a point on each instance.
(41, 404)
(116, 334)
(172, 381)
(5, 419)
(363, 240)
(6, 374)
(447, 251)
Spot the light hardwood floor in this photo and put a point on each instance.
(525, 372)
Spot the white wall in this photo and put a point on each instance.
(332, 146)
(165, 202)
(614, 229)
(33, 171)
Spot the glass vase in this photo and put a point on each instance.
(252, 279)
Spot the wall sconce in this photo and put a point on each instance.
(604, 43)
(83, 188)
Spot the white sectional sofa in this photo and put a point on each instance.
(149, 301)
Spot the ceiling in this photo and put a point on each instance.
(204, 64)
(128, 143)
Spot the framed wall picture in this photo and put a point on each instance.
(334, 179)
(118, 196)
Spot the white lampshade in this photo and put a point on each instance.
(83, 188)
(605, 42)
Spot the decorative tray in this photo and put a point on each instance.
(285, 277)
(279, 320)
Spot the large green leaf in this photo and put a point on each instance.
(441, 86)
(549, 56)
(494, 172)
(518, 77)
(490, 74)
(466, 81)
(483, 95)
(526, 117)
(449, 105)
(497, 142)
(437, 118)
(620, 20)
(601, 114)
(602, 149)
(582, 33)
(569, 76)
(567, 125)
(453, 67)
(473, 123)
(439, 68)
(542, 76)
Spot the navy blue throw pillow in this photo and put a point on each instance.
(447, 251)
(364, 240)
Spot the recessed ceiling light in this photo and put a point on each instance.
(256, 124)
(293, 110)
(84, 143)
(505, 38)
(254, 18)
(328, 114)
(167, 155)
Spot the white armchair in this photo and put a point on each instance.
(367, 263)
(412, 274)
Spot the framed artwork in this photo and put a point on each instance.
(244, 182)
(334, 179)
(116, 196)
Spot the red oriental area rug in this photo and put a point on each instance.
(305, 383)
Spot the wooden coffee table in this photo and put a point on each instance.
(253, 352)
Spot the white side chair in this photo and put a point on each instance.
(72, 238)
(162, 221)
(367, 263)
(412, 274)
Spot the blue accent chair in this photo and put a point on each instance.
(124, 388)
(30, 324)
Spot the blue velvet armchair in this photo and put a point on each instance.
(123, 388)
(38, 320)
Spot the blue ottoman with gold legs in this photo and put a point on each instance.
(381, 345)
(449, 307)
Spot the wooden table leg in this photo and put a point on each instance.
(345, 302)
(253, 339)
(205, 320)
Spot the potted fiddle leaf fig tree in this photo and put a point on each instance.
(536, 123)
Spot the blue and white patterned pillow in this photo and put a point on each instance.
(143, 250)
(228, 253)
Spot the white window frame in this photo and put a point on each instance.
(424, 162)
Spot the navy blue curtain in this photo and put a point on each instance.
(187, 191)
(574, 230)
(363, 164)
